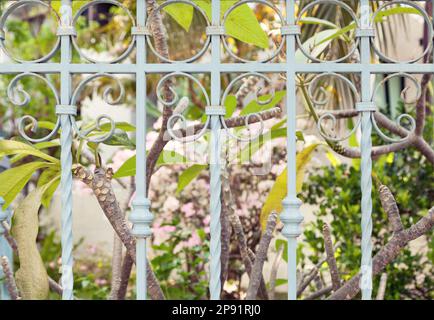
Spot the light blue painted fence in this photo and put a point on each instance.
(141, 216)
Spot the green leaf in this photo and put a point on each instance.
(180, 12)
(316, 44)
(14, 179)
(170, 157)
(10, 147)
(31, 277)
(256, 144)
(241, 24)
(51, 176)
(230, 105)
(284, 243)
(254, 106)
(279, 189)
(39, 146)
(280, 282)
(188, 175)
(124, 126)
(120, 138)
(128, 168)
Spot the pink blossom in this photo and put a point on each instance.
(161, 234)
(150, 139)
(188, 209)
(206, 229)
(206, 220)
(171, 204)
(193, 241)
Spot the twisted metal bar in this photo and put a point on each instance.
(66, 186)
(366, 187)
(215, 207)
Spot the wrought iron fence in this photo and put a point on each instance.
(141, 217)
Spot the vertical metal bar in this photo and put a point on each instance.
(66, 157)
(291, 216)
(141, 216)
(366, 161)
(215, 164)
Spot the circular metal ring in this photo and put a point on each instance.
(337, 3)
(9, 11)
(197, 55)
(240, 3)
(97, 2)
(427, 22)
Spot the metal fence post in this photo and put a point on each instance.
(65, 112)
(141, 216)
(366, 162)
(215, 161)
(291, 216)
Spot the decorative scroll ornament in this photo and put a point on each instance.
(20, 97)
(368, 106)
(210, 110)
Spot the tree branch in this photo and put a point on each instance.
(247, 256)
(273, 273)
(382, 286)
(331, 260)
(261, 255)
(9, 279)
(387, 254)
(103, 190)
(389, 205)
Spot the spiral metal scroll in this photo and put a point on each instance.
(263, 2)
(20, 97)
(428, 23)
(230, 87)
(16, 5)
(313, 86)
(311, 5)
(175, 118)
(400, 119)
(107, 97)
(328, 116)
